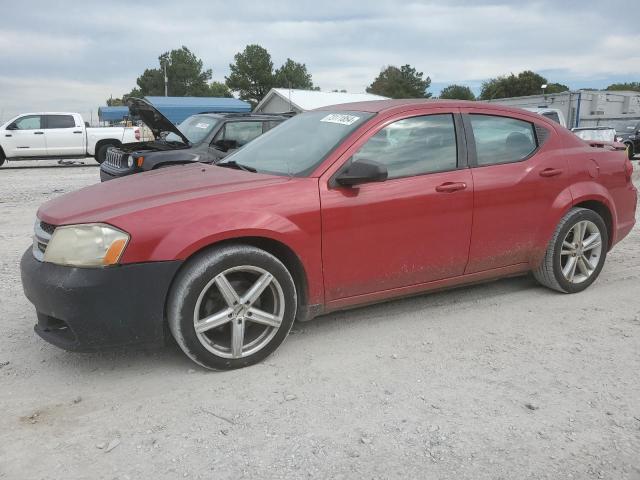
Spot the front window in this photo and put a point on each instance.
(30, 122)
(196, 128)
(300, 144)
(413, 146)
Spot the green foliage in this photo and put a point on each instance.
(403, 82)
(556, 88)
(219, 89)
(293, 75)
(632, 86)
(251, 74)
(525, 83)
(457, 92)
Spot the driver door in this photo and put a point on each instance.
(25, 137)
(411, 229)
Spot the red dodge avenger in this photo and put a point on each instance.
(337, 207)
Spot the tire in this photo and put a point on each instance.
(572, 266)
(630, 153)
(2, 158)
(101, 155)
(198, 292)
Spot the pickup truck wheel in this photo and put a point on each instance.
(231, 307)
(102, 152)
(576, 253)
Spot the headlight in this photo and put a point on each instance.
(88, 245)
(130, 161)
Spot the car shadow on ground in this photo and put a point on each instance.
(170, 358)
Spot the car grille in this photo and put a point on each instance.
(116, 158)
(41, 238)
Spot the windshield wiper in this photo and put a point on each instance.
(237, 166)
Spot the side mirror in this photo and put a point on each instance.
(225, 145)
(362, 171)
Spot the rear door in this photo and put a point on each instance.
(63, 136)
(413, 228)
(518, 178)
(25, 137)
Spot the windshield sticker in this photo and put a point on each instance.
(340, 118)
(202, 125)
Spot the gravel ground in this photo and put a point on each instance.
(497, 381)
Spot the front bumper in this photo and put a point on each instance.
(109, 173)
(89, 309)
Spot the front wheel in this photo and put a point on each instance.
(576, 253)
(630, 152)
(231, 307)
(101, 154)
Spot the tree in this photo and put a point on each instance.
(457, 92)
(403, 82)
(556, 88)
(219, 89)
(251, 74)
(632, 86)
(293, 75)
(523, 84)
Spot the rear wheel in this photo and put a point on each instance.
(576, 254)
(231, 307)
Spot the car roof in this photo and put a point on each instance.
(401, 105)
(248, 116)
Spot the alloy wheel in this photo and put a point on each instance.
(581, 251)
(239, 311)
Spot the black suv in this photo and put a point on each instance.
(628, 132)
(205, 137)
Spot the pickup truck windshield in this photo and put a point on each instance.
(296, 147)
(196, 128)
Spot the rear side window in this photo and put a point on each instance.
(502, 139)
(413, 146)
(30, 122)
(60, 121)
(242, 132)
(269, 124)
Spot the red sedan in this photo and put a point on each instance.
(337, 207)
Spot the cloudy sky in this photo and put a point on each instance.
(74, 55)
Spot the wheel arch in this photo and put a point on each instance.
(278, 249)
(602, 209)
(105, 141)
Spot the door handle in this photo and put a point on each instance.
(77, 131)
(450, 187)
(550, 172)
(38, 133)
(8, 135)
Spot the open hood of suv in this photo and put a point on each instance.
(158, 123)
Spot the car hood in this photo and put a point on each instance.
(156, 121)
(106, 201)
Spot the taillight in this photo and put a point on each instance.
(628, 168)
(136, 132)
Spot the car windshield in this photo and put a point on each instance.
(196, 128)
(296, 147)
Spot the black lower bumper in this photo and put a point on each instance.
(107, 173)
(88, 309)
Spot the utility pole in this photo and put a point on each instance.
(166, 80)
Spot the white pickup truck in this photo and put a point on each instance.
(39, 136)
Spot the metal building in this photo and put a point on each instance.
(281, 100)
(177, 109)
(585, 108)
